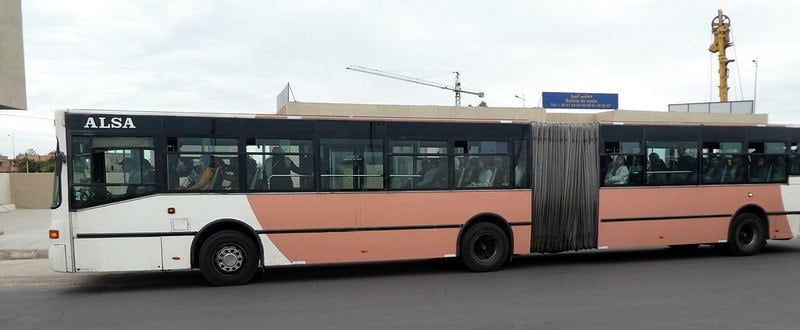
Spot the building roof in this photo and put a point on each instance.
(383, 111)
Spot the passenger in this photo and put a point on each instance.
(441, 178)
(252, 168)
(618, 173)
(207, 169)
(656, 164)
(501, 175)
(306, 169)
(194, 174)
(759, 170)
(794, 160)
(427, 171)
(686, 166)
(778, 173)
(519, 173)
(715, 172)
(470, 173)
(282, 168)
(182, 167)
(137, 173)
(484, 170)
(736, 172)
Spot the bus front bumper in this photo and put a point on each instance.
(57, 255)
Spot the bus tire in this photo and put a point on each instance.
(484, 247)
(228, 258)
(747, 235)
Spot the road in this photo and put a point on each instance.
(645, 289)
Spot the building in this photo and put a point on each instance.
(6, 165)
(12, 60)
(10, 165)
(337, 110)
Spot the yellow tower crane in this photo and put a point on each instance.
(721, 28)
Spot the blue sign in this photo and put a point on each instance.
(579, 101)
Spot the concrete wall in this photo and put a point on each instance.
(12, 61)
(5, 188)
(31, 190)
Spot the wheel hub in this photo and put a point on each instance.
(229, 258)
(485, 247)
(746, 235)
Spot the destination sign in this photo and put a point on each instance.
(560, 100)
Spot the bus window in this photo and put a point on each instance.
(521, 165)
(482, 164)
(107, 169)
(351, 164)
(279, 165)
(202, 164)
(418, 165)
(767, 162)
(794, 160)
(680, 164)
(723, 163)
(621, 164)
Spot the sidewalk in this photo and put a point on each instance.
(24, 234)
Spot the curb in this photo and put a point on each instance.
(5, 208)
(12, 254)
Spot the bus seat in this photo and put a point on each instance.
(216, 182)
(256, 180)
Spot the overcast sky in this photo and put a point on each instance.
(236, 56)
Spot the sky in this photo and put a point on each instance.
(236, 56)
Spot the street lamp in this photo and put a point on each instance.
(521, 98)
(13, 152)
(755, 84)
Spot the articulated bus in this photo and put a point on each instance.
(231, 194)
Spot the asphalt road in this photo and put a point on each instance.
(649, 289)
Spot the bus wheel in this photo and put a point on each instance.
(228, 258)
(484, 247)
(747, 235)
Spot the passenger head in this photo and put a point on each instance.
(487, 161)
(424, 165)
(208, 161)
(127, 164)
(277, 152)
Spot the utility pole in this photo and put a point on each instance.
(521, 98)
(755, 84)
(13, 151)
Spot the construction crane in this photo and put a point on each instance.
(457, 88)
(721, 28)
